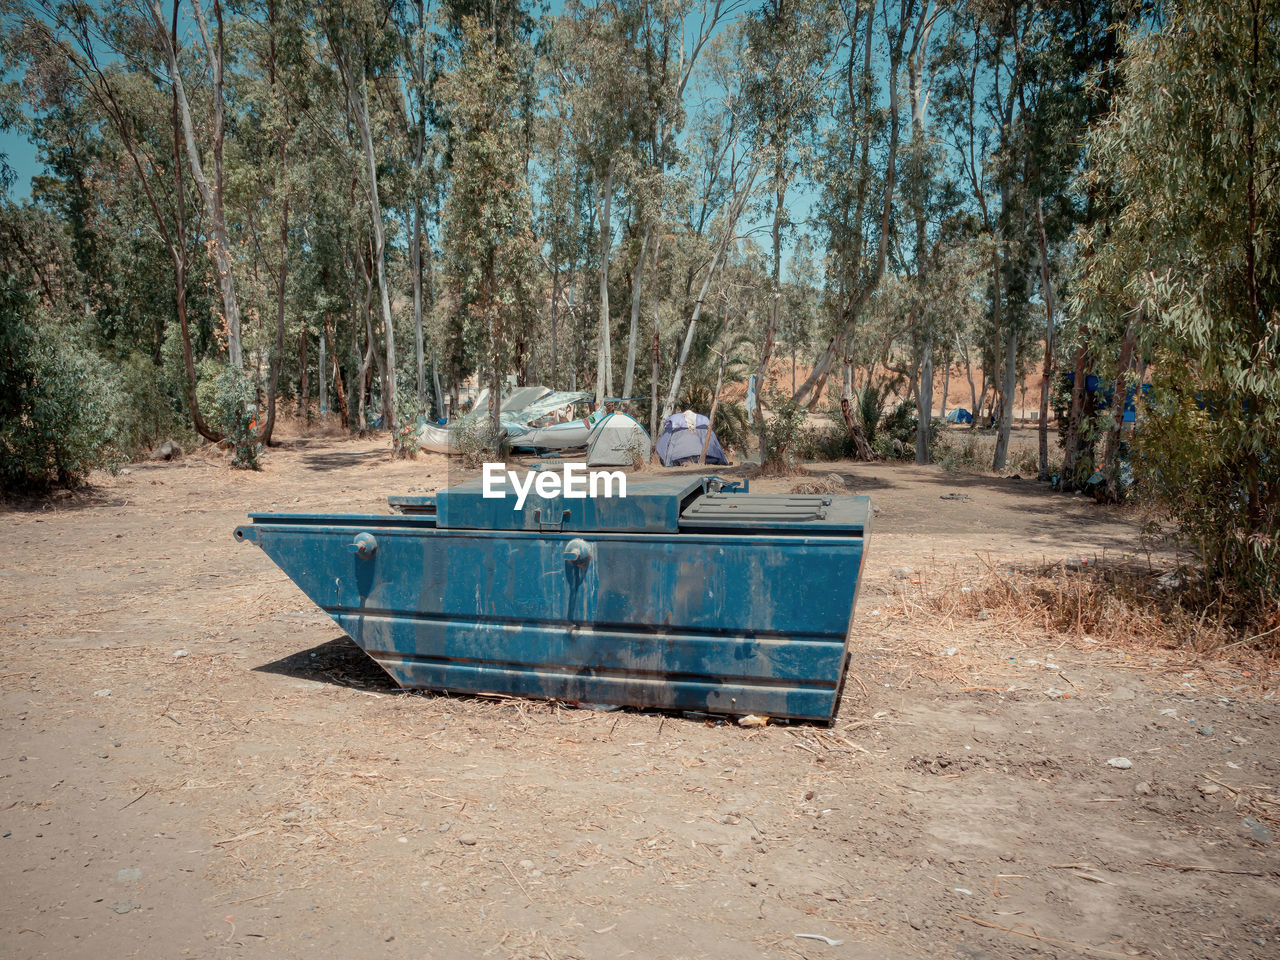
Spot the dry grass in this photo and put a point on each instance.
(1111, 604)
(822, 484)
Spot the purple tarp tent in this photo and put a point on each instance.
(681, 439)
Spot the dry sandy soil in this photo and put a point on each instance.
(196, 763)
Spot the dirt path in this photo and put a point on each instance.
(196, 763)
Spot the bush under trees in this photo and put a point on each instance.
(54, 404)
(1186, 273)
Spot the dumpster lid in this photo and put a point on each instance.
(651, 506)
(726, 512)
(685, 504)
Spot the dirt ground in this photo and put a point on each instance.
(196, 763)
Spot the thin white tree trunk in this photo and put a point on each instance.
(212, 197)
(653, 380)
(715, 397)
(361, 110)
(946, 385)
(324, 393)
(415, 256)
(1046, 285)
(633, 339)
(604, 355)
(735, 211)
(775, 300)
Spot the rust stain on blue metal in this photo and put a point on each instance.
(684, 595)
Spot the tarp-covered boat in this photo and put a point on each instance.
(521, 407)
(686, 593)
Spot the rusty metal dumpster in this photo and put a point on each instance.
(687, 593)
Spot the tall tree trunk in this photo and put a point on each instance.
(555, 316)
(775, 297)
(343, 412)
(1112, 490)
(322, 392)
(973, 390)
(362, 387)
(604, 352)
(303, 408)
(178, 250)
(435, 379)
(917, 94)
(277, 352)
(946, 386)
(361, 104)
(715, 397)
(924, 399)
(1007, 390)
(212, 194)
(852, 420)
(730, 230)
(1046, 286)
(415, 257)
(1071, 445)
(633, 339)
(653, 377)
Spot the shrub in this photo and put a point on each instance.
(235, 411)
(971, 453)
(871, 403)
(781, 430)
(409, 413)
(147, 410)
(474, 442)
(55, 404)
(830, 442)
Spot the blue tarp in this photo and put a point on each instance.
(682, 437)
(1105, 391)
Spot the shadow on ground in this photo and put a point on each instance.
(343, 460)
(339, 662)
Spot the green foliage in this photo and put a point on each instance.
(871, 404)
(489, 244)
(55, 405)
(829, 442)
(963, 454)
(409, 412)
(474, 442)
(781, 429)
(234, 410)
(146, 410)
(1190, 261)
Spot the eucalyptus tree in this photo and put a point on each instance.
(715, 191)
(988, 87)
(272, 78)
(360, 44)
(420, 67)
(212, 191)
(489, 245)
(789, 47)
(68, 52)
(858, 182)
(673, 37)
(597, 73)
(929, 197)
(802, 300)
(1187, 260)
(561, 218)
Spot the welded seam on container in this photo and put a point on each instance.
(417, 616)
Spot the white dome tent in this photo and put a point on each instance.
(617, 441)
